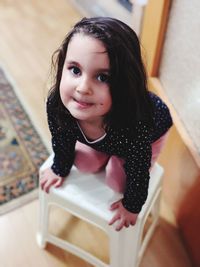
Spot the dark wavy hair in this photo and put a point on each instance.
(128, 82)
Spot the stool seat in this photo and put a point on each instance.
(88, 193)
(89, 198)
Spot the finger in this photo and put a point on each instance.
(114, 219)
(132, 222)
(42, 182)
(46, 187)
(58, 183)
(48, 184)
(114, 206)
(120, 225)
(127, 224)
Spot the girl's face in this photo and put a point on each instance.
(84, 86)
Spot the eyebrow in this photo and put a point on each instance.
(71, 62)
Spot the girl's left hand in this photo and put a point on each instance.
(125, 217)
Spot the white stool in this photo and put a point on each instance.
(87, 197)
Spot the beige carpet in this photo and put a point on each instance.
(21, 150)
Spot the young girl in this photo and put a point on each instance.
(101, 114)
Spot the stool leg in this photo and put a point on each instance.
(155, 220)
(124, 246)
(43, 219)
(156, 208)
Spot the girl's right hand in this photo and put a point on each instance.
(48, 179)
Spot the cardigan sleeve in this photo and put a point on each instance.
(137, 164)
(63, 143)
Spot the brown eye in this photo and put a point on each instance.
(75, 70)
(104, 78)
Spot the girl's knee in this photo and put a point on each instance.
(89, 160)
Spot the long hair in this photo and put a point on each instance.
(128, 82)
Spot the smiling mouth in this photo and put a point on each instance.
(83, 103)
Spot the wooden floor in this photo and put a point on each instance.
(29, 33)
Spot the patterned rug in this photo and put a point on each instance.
(21, 151)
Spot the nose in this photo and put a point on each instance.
(84, 86)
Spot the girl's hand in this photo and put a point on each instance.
(49, 178)
(125, 217)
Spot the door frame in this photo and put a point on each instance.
(152, 38)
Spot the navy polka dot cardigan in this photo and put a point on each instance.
(133, 146)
